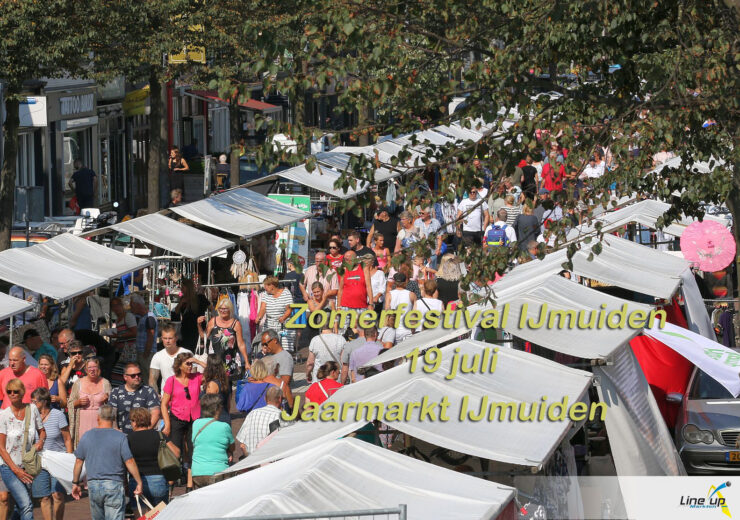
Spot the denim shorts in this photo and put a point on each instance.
(44, 484)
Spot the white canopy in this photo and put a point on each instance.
(241, 212)
(10, 306)
(321, 179)
(346, 475)
(87, 257)
(22, 268)
(560, 294)
(171, 235)
(646, 212)
(65, 266)
(622, 263)
(519, 377)
(422, 340)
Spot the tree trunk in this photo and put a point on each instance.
(7, 174)
(155, 142)
(234, 133)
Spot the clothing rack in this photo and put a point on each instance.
(232, 284)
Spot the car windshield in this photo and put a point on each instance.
(705, 387)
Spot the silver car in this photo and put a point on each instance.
(707, 427)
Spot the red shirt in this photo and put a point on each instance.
(32, 379)
(335, 261)
(553, 182)
(354, 292)
(314, 393)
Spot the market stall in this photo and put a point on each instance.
(347, 475)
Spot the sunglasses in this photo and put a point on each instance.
(333, 247)
(12, 392)
(76, 353)
(136, 375)
(187, 393)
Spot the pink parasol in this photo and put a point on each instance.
(708, 245)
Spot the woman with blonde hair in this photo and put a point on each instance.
(275, 308)
(12, 437)
(448, 279)
(57, 390)
(252, 395)
(224, 337)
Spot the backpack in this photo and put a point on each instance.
(496, 236)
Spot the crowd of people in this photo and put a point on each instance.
(120, 397)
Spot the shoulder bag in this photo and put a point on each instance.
(203, 428)
(168, 463)
(201, 352)
(31, 460)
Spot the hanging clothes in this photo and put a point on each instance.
(243, 310)
(728, 329)
(253, 309)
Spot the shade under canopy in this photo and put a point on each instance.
(171, 235)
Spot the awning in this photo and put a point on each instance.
(10, 306)
(321, 179)
(241, 212)
(422, 340)
(519, 377)
(20, 267)
(646, 212)
(621, 263)
(560, 294)
(250, 104)
(65, 266)
(88, 257)
(346, 475)
(171, 235)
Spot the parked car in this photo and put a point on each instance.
(707, 427)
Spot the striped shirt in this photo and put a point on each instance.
(275, 307)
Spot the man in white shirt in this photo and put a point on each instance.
(475, 218)
(256, 426)
(508, 230)
(163, 360)
(325, 347)
(592, 170)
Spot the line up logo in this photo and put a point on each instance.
(713, 500)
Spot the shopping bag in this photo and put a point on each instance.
(153, 511)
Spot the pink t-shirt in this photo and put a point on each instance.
(181, 407)
(32, 379)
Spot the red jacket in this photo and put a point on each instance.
(553, 182)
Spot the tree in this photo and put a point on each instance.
(39, 39)
(630, 76)
(135, 40)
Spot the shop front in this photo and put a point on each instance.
(73, 135)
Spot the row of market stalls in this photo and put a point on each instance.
(641, 444)
(331, 165)
(67, 265)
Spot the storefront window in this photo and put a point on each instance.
(76, 145)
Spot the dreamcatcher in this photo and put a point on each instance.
(239, 264)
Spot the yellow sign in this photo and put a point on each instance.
(135, 102)
(194, 54)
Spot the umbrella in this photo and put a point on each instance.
(708, 245)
